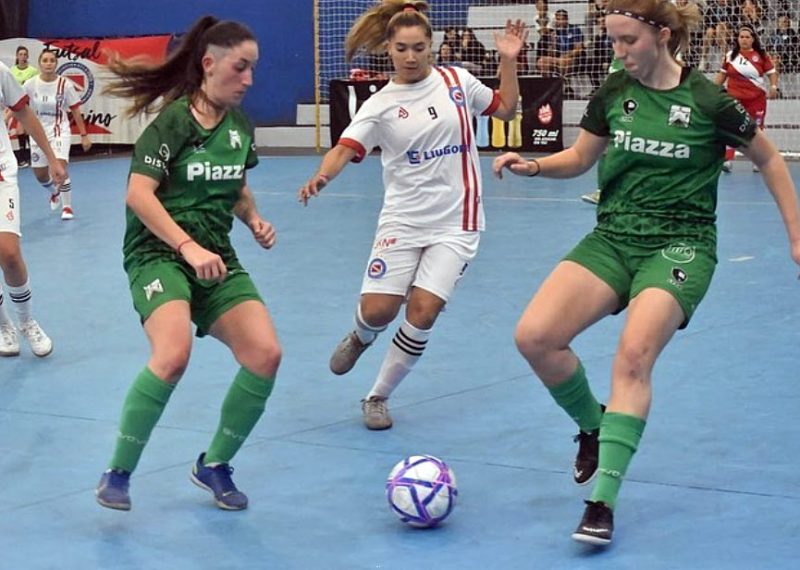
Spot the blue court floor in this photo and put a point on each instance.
(714, 485)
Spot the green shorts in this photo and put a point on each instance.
(682, 268)
(154, 285)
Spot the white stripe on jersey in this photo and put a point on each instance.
(51, 101)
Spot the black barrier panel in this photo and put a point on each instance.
(13, 19)
(536, 128)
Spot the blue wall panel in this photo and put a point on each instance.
(285, 73)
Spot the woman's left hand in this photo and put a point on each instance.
(263, 232)
(511, 42)
(86, 142)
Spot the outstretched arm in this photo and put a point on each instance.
(332, 164)
(568, 163)
(508, 47)
(777, 178)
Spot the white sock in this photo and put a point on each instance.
(407, 346)
(366, 333)
(66, 193)
(21, 299)
(5, 319)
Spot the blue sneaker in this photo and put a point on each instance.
(218, 481)
(112, 490)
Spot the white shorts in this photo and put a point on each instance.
(60, 146)
(9, 205)
(403, 257)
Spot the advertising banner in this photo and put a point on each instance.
(82, 61)
(537, 126)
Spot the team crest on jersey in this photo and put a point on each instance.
(235, 139)
(10, 216)
(629, 107)
(163, 152)
(679, 116)
(457, 95)
(376, 268)
(402, 113)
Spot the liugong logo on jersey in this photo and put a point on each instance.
(417, 156)
(626, 141)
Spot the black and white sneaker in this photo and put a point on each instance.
(586, 461)
(596, 526)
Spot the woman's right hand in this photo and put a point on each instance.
(206, 264)
(514, 162)
(312, 188)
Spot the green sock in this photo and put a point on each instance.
(146, 399)
(241, 409)
(576, 397)
(619, 438)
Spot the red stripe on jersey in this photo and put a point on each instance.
(470, 193)
(20, 104)
(59, 109)
(493, 106)
(474, 199)
(353, 144)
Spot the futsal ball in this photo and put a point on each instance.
(421, 490)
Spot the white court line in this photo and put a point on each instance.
(741, 258)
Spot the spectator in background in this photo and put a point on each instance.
(600, 53)
(595, 9)
(473, 52)
(720, 17)
(785, 45)
(447, 56)
(751, 15)
(568, 47)
(22, 72)
(452, 37)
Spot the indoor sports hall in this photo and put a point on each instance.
(713, 485)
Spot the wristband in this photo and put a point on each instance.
(183, 243)
(538, 168)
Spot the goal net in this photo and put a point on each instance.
(568, 38)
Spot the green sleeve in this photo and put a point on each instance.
(594, 117)
(156, 146)
(735, 127)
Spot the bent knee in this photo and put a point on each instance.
(532, 340)
(262, 360)
(171, 365)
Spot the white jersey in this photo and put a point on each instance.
(51, 101)
(13, 97)
(431, 171)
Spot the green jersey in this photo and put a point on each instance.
(200, 174)
(666, 148)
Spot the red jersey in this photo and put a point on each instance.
(747, 74)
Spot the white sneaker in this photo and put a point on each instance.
(67, 213)
(727, 166)
(9, 342)
(591, 197)
(755, 168)
(41, 345)
(55, 201)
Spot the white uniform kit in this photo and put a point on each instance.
(13, 97)
(52, 101)
(432, 215)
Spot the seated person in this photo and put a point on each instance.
(568, 47)
(473, 52)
